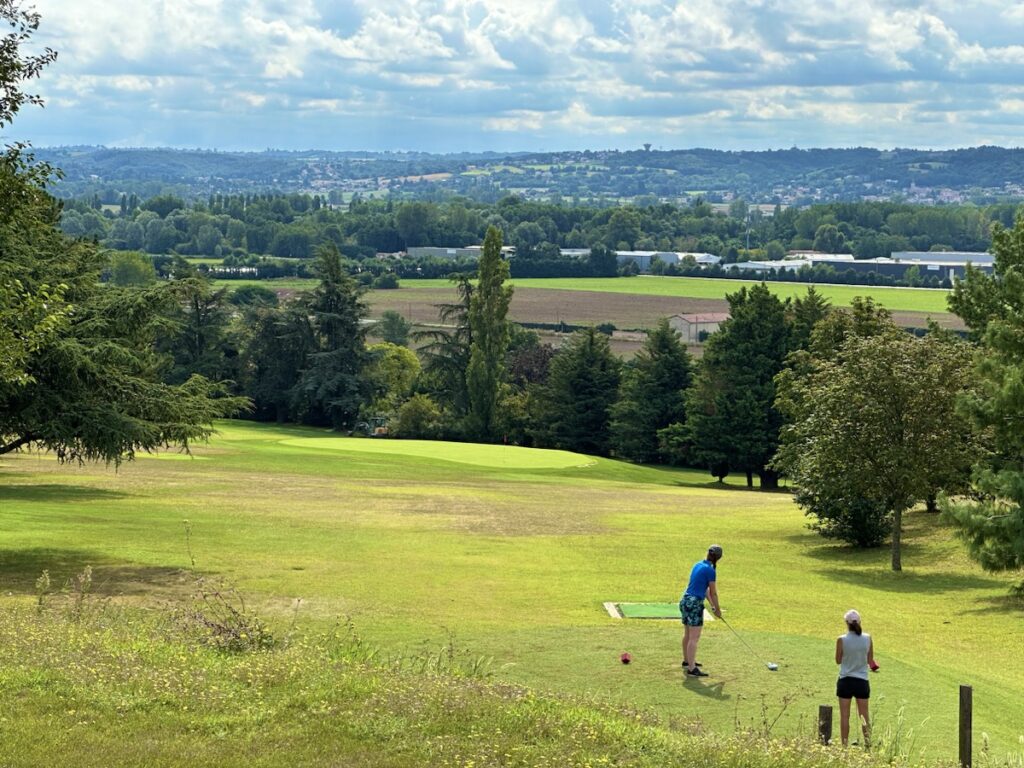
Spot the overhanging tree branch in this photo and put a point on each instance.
(16, 444)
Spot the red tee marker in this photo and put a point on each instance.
(625, 658)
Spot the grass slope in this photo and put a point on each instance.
(515, 562)
(95, 686)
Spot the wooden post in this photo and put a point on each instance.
(825, 724)
(966, 711)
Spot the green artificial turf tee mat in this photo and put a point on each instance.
(648, 610)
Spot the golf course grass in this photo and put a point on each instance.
(507, 456)
(425, 544)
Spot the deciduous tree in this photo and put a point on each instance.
(871, 428)
(392, 328)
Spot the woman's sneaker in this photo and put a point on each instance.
(696, 672)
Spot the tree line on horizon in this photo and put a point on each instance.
(280, 234)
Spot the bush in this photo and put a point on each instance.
(856, 520)
(129, 268)
(249, 295)
(386, 281)
(418, 417)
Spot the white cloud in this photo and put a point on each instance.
(434, 73)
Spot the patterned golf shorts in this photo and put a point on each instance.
(692, 609)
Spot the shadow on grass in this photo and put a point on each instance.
(1011, 602)
(57, 492)
(907, 581)
(711, 690)
(918, 527)
(834, 551)
(19, 569)
(714, 485)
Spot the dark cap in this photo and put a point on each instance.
(715, 551)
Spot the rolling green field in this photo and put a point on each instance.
(512, 552)
(896, 299)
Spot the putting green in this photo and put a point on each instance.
(503, 456)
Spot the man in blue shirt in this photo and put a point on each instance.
(691, 606)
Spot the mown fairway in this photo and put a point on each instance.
(513, 552)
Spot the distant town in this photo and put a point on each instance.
(793, 177)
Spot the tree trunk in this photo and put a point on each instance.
(931, 504)
(750, 478)
(769, 480)
(16, 444)
(897, 536)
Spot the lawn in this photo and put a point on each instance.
(514, 558)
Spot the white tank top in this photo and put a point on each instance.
(855, 655)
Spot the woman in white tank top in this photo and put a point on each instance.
(855, 654)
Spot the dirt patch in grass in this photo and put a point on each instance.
(496, 509)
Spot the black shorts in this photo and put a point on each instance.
(853, 688)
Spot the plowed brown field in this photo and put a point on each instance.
(626, 311)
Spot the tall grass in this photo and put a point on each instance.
(92, 682)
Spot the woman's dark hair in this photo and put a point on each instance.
(714, 555)
(854, 627)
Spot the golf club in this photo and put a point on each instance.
(772, 666)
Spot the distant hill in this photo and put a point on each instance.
(792, 176)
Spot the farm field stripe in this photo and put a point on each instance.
(906, 299)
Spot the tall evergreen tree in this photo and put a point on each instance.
(274, 356)
(330, 389)
(445, 351)
(992, 524)
(574, 406)
(806, 312)
(488, 310)
(82, 374)
(731, 417)
(198, 338)
(652, 395)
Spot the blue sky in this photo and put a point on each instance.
(451, 75)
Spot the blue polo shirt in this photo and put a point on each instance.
(701, 576)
